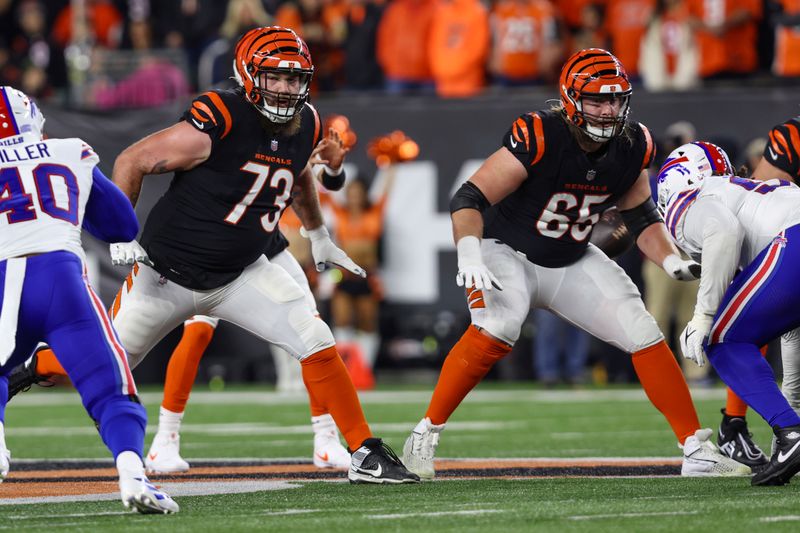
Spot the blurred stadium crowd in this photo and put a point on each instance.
(138, 53)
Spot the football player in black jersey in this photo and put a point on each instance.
(240, 157)
(522, 225)
(781, 157)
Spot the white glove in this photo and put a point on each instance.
(128, 253)
(681, 269)
(471, 270)
(324, 251)
(693, 336)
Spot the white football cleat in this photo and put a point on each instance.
(702, 458)
(164, 456)
(138, 493)
(5, 462)
(420, 448)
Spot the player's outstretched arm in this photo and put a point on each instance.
(323, 250)
(641, 216)
(109, 214)
(179, 147)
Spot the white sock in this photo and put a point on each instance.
(169, 422)
(323, 424)
(128, 461)
(2, 437)
(369, 342)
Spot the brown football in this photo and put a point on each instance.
(611, 235)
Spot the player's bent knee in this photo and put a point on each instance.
(506, 330)
(314, 333)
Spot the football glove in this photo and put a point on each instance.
(471, 270)
(128, 253)
(681, 269)
(694, 336)
(324, 251)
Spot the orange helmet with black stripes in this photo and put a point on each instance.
(595, 74)
(264, 57)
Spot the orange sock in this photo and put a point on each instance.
(47, 364)
(663, 382)
(182, 366)
(735, 406)
(466, 364)
(329, 386)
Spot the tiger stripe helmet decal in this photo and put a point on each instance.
(597, 73)
(273, 49)
(783, 149)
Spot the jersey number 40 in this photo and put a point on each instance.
(18, 204)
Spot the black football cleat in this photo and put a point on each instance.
(375, 462)
(23, 376)
(785, 462)
(736, 441)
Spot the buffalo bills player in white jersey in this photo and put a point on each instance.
(50, 189)
(731, 222)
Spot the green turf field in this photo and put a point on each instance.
(494, 422)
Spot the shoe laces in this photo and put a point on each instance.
(387, 450)
(424, 444)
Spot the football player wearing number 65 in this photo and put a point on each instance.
(240, 157)
(522, 225)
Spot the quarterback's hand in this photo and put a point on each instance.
(472, 272)
(324, 251)
(681, 269)
(128, 253)
(693, 337)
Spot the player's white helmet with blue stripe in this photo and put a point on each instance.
(688, 165)
(19, 115)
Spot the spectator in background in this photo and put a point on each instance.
(323, 25)
(592, 33)
(785, 17)
(361, 68)
(726, 35)
(356, 300)
(671, 302)
(38, 60)
(526, 42)
(402, 47)
(556, 342)
(104, 23)
(155, 80)
(626, 23)
(459, 47)
(571, 13)
(752, 155)
(669, 56)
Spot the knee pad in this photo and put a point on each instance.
(507, 330)
(314, 333)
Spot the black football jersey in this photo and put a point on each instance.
(219, 217)
(550, 217)
(783, 148)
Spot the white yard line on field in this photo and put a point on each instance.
(433, 514)
(630, 515)
(784, 518)
(258, 428)
(45, 398)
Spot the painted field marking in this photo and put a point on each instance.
(289, 512)
(630, 515)
(434, 513)
(45, 398)
(785, 518)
